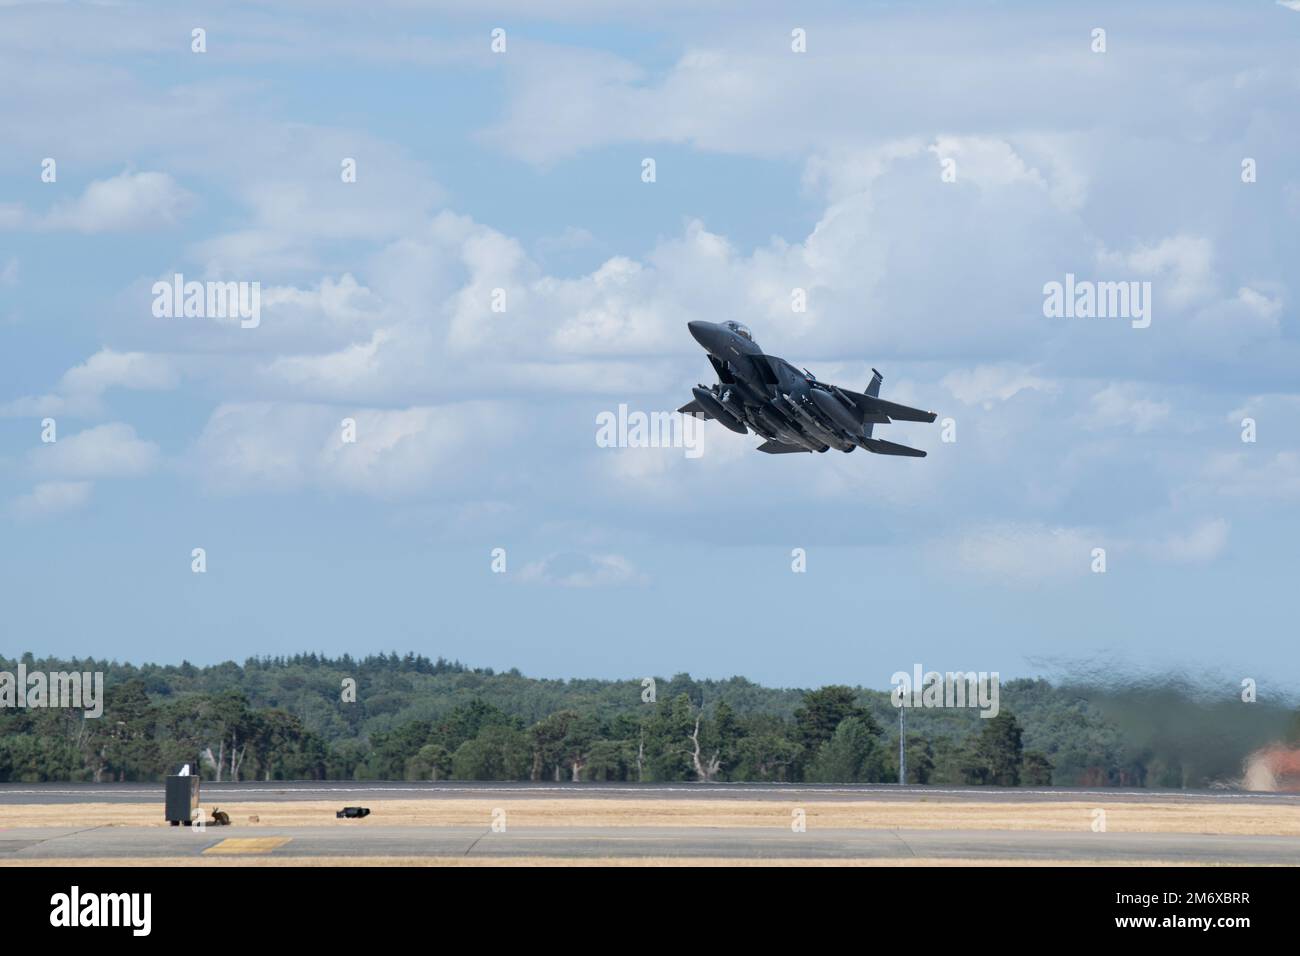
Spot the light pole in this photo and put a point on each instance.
(902, 748)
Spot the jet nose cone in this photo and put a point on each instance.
(702, 331)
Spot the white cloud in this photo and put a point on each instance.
(50, 498)
(272, 447)
(109, 369)
(1180, 268)
(105, 451)
(290, 183)
(1122, 405)
(334, 374)
(987, 385)
(1260, 303)
(1023, 553)
(1203, 543)
(127, 202)
(583, 571)
(985, 161)
(82, 386)
(1255, 475)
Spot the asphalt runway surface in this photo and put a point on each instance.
(345, 791)
(364, 839)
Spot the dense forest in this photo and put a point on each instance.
(391, 717)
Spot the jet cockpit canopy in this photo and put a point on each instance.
(740, 329)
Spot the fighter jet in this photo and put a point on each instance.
(790, 408)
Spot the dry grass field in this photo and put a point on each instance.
(1135, 817)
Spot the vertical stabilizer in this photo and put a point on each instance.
(873, 389)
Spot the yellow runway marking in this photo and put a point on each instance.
(237, 845)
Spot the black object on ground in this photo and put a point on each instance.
(353, 812)
(181, 798)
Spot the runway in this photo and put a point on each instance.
(362, 839)
(412, 822)
(347, 791)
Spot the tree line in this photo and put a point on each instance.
(391, 717)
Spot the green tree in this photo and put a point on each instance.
(611, 760)
(822, 712)
(852, 755)
(1036, 770)
(575, 747)
(667, 740)
(996, 754)
(548, 738)
(498, 752)
(920, 760)
(432, 762)
(121, 744)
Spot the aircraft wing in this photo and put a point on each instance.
(694, 408)
(780, 448)
(881, 447)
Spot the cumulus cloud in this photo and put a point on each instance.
(51, 498)
(432, 294)
(571, 570)
(275, 447)
(128, 202)
(1263, 305)
(1255, 475)
(1023, 553)
(1124, 405)
(109, 369)
(1203, 543)
(82, 386)
(988, 385)
(105, 451)
(292, 209)
(1181, 268)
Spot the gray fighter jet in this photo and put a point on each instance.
(788, 407)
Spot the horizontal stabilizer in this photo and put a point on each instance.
(780, 448)
(693, 408)
(872, 408)
(881, 447)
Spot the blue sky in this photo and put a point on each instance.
(775, 170)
